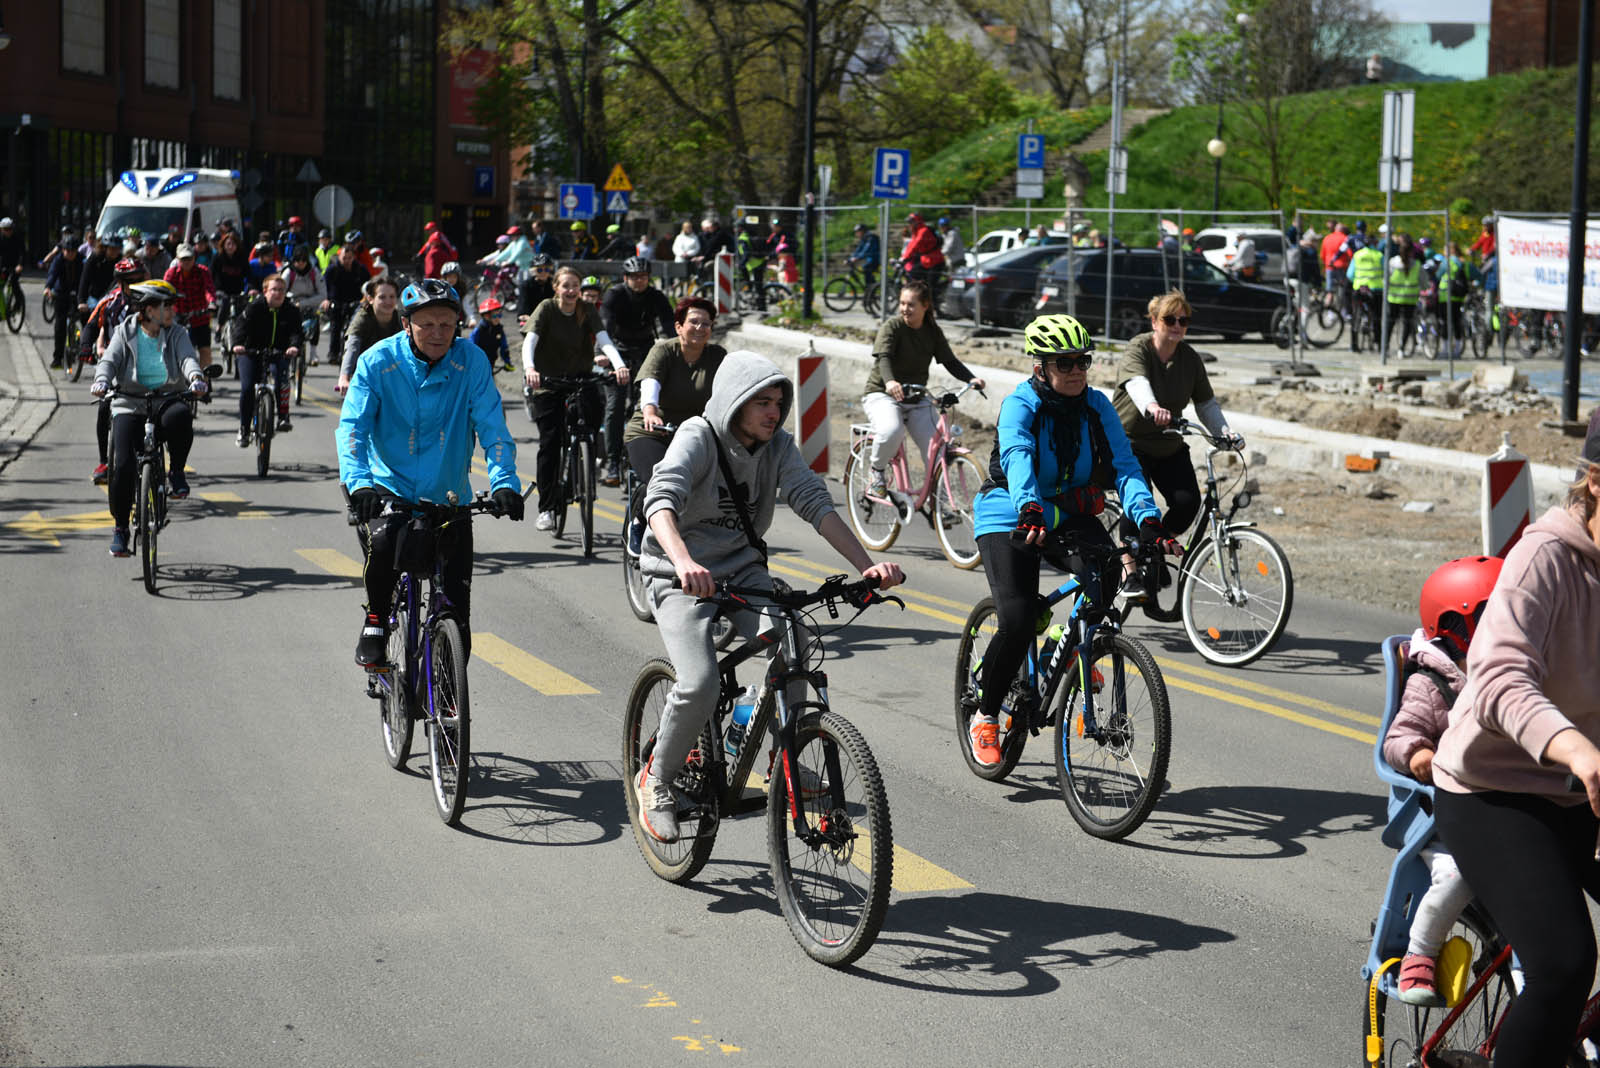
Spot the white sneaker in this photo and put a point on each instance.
(658, 812)
(878, 484)
(546, 521)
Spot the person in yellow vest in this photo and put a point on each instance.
(1455, 285)
(1405, 288)
(1366, 281)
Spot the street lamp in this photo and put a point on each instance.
(1217, 147)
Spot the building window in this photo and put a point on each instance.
(161, 60)
(83, 36)
(227, 48)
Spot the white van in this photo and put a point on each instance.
(152, 201)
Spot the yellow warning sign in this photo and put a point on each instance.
(618, 180)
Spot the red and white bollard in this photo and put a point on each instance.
(813, 409)
(722, 274)
(1507, 498)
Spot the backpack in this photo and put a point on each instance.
(1459, 287)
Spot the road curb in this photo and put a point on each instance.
(29, 394)
(1424, 469)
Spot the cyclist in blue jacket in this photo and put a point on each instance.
(406, 431)
(1052, 434)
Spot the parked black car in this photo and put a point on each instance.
(1008, 284)
(1221, 305)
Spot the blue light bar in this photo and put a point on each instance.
(178, 181)
(128, 180)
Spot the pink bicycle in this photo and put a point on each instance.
(949, 487)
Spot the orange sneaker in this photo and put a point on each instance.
(985, 737)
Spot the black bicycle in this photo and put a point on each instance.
(829, 838)
(423, 675)
(843, 290)
(1099, 687)
(580, 445)
(264, 410)
(150, 460)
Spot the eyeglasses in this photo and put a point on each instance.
(1065, 364)
(697, 324)
(1176, 320)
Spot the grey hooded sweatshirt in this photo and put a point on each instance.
(688, 479)
(121, 360)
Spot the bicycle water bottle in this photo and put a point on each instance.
(744, 707)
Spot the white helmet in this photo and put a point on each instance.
(6, 223)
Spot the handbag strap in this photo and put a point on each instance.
(737, 491)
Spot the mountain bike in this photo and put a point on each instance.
(73, 356)
(950, 484)
(424, 672)
(843, 290)
(829, 842)
(1321, 320)
(150, 461)
(13, 305)
(580, 444)
(264, 409)
(1475, 330)
(1233, 588)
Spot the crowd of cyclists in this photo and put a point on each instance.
(702, 429)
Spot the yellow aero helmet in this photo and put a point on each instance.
(1056, 335)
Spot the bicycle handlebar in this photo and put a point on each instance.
(563, 383)
(914, 393)
(858, 594)
(1187, 428)
(440, 515)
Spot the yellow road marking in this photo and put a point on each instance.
(37, 525)
(221, 497)
(333, 562)
(1274, 710)
(527, 668)
(1234, 681)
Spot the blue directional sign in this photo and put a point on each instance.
(483, 181)
(617, 202)
(1030, 150)
(577, 201)
(891, 173)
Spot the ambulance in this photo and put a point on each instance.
(151, 201)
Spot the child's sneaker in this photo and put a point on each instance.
(1416, 981)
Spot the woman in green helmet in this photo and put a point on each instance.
(1053, 433)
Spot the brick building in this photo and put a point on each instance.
(1534, 33)
(89, 88)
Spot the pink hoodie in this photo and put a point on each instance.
(1534, 667)
(1422, 717)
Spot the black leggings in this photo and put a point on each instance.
(251, 368)
(381, 574)
(549, 416)
(1013, 574)
(1404, 316)
(102, 428)
(175, 427)
(1174, 477)
(1530, 862)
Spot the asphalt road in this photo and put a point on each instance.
(206, 860)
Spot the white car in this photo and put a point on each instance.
(1220, 246)
(995, 242)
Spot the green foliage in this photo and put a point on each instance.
(973, 166)
(940, 90)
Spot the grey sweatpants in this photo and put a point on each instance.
(685, 624)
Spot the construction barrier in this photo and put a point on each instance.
(723, 275)
(1507, 498)
(813, 410)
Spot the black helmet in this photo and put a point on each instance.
(635, 265)
(427, 293)
(324, 232)
(542, 259)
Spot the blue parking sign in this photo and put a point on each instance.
(577, 201)
(891, 173)
(1030, 150)
(483, 181)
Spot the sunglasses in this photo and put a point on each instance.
(1175, 320)
(1065, 364)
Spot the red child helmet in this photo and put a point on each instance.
(1453, 598)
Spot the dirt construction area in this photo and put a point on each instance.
(1348, 535)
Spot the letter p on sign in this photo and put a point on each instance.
(891, 173)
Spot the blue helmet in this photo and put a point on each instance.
(427, 293)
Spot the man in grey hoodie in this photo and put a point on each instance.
(696, 535)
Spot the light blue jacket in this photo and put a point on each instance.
(408, 428)
(1033, 470)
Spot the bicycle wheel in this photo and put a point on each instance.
(568, 487)
(633, 579)
(876, 520)
(869, 299)
(776, 293)
(1323, 326)
(976, 634)
(1281, 330)
(262, 430)
(47, 308)
(147, 522)
(680, 861)
(16, 308)
(299, 376)
(1112, 772)
(1477, 329)
(76, 360)
(1525, 333)
(833, 885)
(1235, 609)
(955, 496)
(449, 721)
(1431, 338)
(586, 489)
(394, 706)
(1412, 1031)
(839, 294)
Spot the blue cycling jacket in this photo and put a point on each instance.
(407, 427)
(1033, 471)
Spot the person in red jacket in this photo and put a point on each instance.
(923, 258)
(436, 251)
